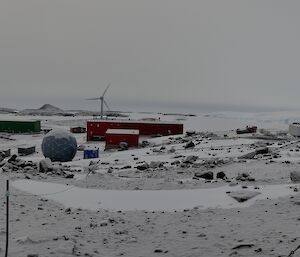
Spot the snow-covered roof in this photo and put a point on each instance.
(123, 131)
(19, 120)
(137, 121)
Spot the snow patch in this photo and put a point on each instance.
(151, 200)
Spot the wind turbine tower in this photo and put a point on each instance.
(103, 102)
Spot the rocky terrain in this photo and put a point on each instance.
(41, 226)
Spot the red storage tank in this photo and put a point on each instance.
(96, 129)
(113, 137)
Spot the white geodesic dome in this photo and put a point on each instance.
(59, 145)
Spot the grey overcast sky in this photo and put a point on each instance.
(231, 52)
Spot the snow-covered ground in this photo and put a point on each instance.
(152, 201)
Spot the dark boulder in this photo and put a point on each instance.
(189, 144)
(190, 133)
(262, 150)
(248, 156)
(221, 175)
(208, 175)
(13, 158)
(190, 159)
(295, 176)
(143, 166)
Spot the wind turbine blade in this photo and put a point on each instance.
(106, 89)
(96, 98)
(106, 105)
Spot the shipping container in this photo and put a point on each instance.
(90, 153)
(96, 129)
(26, 150)
(20, 126)
(114, 137)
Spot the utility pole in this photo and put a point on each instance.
(7, 217)
(102, 107)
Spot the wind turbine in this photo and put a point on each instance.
(101, 98)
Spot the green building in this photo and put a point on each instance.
(20, 126)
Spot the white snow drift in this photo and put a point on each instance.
(151, 200)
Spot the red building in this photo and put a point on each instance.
(96, 129)
(113, 137)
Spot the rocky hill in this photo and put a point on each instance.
(46, 109)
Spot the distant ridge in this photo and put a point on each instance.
(46, 109)
(49, 107)
(7, 110)
(51, 110)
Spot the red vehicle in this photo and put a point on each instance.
(96, 129)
